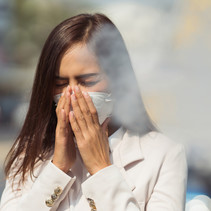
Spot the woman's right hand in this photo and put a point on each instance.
(64, 151)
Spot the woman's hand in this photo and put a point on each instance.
(64, 152)
(91, 137)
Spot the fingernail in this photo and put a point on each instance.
(73, 97)
(85, 94)
(76, 88)
(68, 88)
(67, 94)
(62, 93)
(71, 114)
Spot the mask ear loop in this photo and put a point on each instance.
(109, 98)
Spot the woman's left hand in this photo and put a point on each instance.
(91, 137)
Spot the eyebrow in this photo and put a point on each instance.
(61, 78)
(79, 76)
(86, 75)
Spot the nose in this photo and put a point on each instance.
(72, 83)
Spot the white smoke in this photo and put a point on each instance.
(114, 61)
(174, 75)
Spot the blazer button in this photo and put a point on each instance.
(92, 204)
(58, 191)
(54, 197)
(49, 203)
(90, 200)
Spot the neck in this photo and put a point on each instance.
(112, 128)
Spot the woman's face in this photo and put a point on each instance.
(79, 66)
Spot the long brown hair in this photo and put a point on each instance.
(36, 139)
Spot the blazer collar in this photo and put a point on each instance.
(115, 138)
(129, 149)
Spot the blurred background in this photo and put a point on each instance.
(170, 47)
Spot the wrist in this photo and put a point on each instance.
(61, 167)
(95, 170)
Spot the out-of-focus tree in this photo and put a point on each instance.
(30, 23)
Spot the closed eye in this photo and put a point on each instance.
(61, 84)
(86, 80)
(88, 83)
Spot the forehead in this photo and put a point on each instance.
(78, 60)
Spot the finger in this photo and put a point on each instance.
(92, 108)
(75, 127)
(83, 105)
(67, 102)
(62, 123)
(61, 102)
(105, 125)
(78, 114)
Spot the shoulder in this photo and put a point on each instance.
(154, 147)
(162, 152)
(158, 142)
(16, 173)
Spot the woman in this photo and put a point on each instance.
(87, 142)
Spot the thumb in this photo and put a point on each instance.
(105, 125)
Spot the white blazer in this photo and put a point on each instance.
(148, 173)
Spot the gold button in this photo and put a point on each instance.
(93, 207)
(49, 202)
(92, 204)
(54, 196)
(58, 191)
(90, 200)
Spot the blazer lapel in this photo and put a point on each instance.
(130, 149)
(127, 152)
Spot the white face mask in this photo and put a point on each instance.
(102, 101)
